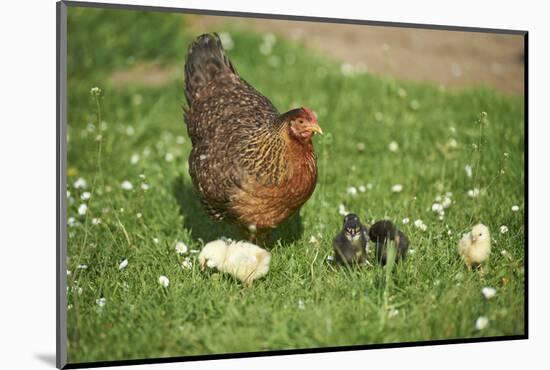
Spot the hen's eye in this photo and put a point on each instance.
(300, 121)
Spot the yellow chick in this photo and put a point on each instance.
(475, 246)
(242, 260)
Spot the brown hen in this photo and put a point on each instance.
(250, 164)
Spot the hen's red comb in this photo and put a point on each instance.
(309, 114)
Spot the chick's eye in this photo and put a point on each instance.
(480, 234)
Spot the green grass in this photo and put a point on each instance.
(303, 302)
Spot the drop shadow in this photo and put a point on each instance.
(47, 358)
(194, 216)
(201, 226)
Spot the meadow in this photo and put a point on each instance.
(391, 149)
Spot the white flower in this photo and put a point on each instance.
(393, 313)
(68, 272)
(452, 143)
(194, 251)
(68, 194)
(155, 240)
(330, 258)
(126, 185)
(482, 322)
(412, 251)
(446, 203)
(82, 267)
(187, 264)
(468, 170)
(397, 188)
(134, 158)
(393, 146)
(71, 222)
(352, 191)
(313, 239)
(347, 69)
(101, 302)
(86, 195)
(369, 186)
(420, 224)
(503, 229)
(342, 210)
(362, 188)
(138, 215)
(96, 221)
(123, 264)
(515, 208)
(473, 193)
(437, 208)
(82, 209)
(181, 248)
(301, 305)
(80, 183)
(169, 157)
(95, 91)
(405, 221)
(144, 187)
(488, 292)
(163, 280)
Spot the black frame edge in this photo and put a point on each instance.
(289, 17)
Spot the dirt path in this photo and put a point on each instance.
(449, 58)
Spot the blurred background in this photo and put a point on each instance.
(447, 58)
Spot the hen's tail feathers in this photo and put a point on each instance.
(205, 60)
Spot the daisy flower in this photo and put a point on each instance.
(80, 183)
(488, 292)
(503, 229)
(468, 170)
(352, 191)
(187, 264)
(82, 209)
(123, 264)
(397, 188)
(181, 248)
(482, 322)
(101, 302)
(163, 281)
(342, 210)
(393, 146)
(126, 185)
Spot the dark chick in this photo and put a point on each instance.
(382, 232)
(351, 244)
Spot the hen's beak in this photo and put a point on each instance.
(315, 128)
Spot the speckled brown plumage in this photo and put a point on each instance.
(249, 164)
